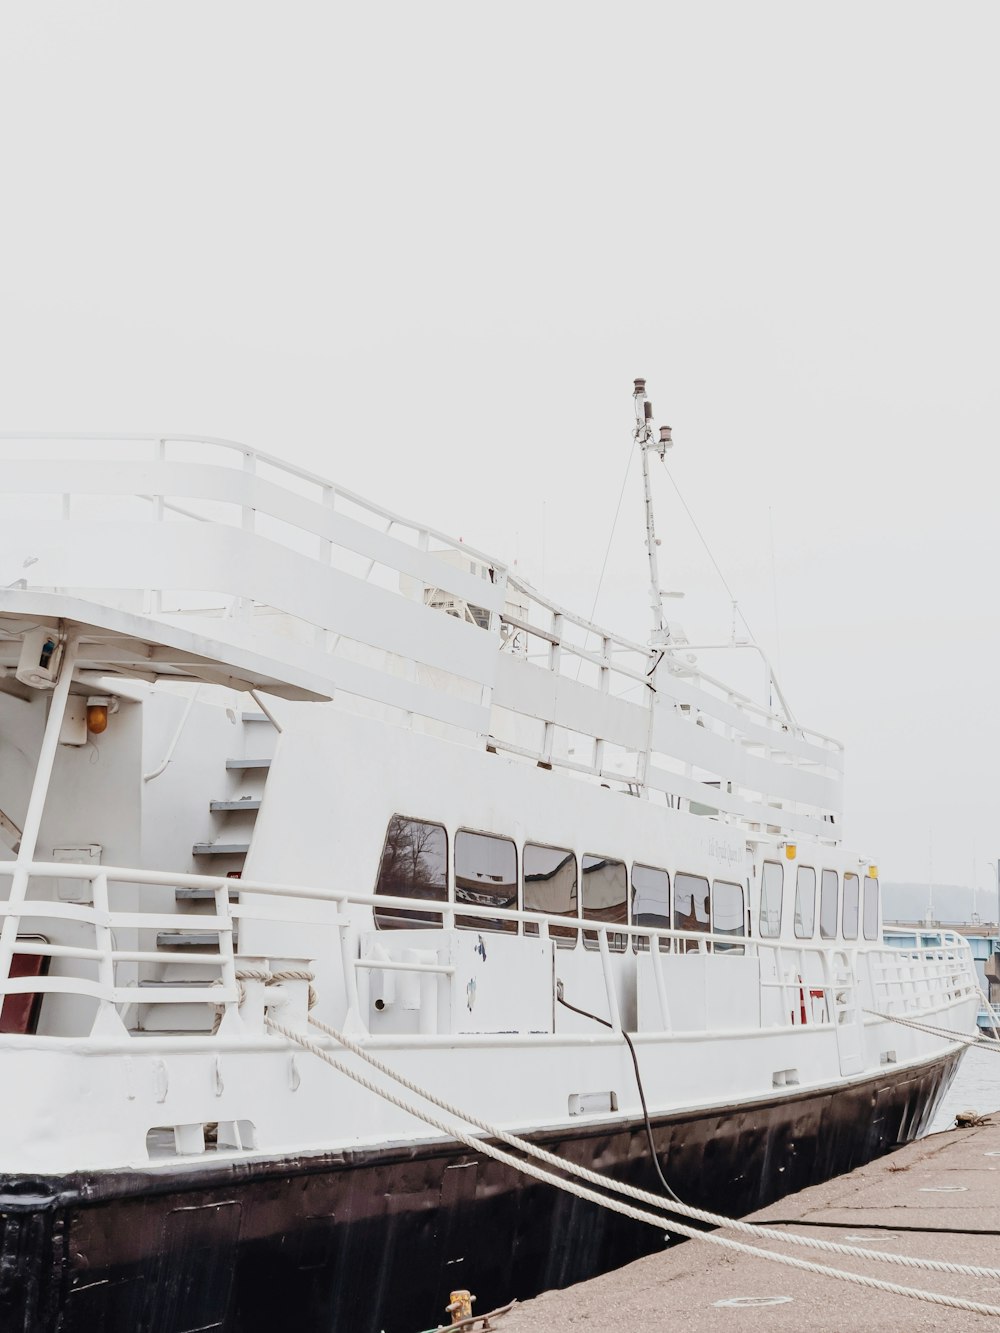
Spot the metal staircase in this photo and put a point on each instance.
(233, 813)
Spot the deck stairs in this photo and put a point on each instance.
(233, 814)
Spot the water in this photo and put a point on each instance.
(976, 1088)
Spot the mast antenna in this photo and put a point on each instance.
(644, 437)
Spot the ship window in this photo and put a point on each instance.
(485, 874)
(650, 902)
(770, 900)
(805, 903)
(690, 908)
(414, 865)
(828, 894)
(851, 895)
(728, 916)
(550, 886)
(871, 908)
(605, 898)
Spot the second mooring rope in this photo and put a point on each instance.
(615, 1205)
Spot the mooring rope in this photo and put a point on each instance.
(269, 978)
(644, 1196)
(981, 1042)
(477, 1145)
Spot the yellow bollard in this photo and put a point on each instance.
(461, 1306)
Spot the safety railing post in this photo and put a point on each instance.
(353, 1020)
(656, 953)
(248, 522)
(36, 804)
(160, 458)
(609, 980)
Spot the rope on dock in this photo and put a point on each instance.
(477, 1145)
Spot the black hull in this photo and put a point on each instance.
(361, 1242)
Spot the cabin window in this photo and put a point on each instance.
(871, 908)
(650, 902)
(805, 903)
(851, 904)
(605, 898)
(691, 908)
(550, 885)
(828, 905)
(772, 878)
(485, 874)
(414, 865)
(728, 914)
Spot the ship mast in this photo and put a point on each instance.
(643, 434)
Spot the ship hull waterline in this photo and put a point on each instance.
(375, 1240)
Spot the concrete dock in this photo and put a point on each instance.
(938, 1198)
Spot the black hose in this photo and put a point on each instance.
(638, 1081)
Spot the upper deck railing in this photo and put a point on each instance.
(341, 594)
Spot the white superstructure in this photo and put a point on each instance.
(583, 818)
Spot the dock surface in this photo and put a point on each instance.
(938, 1198)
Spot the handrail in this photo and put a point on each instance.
(744, 745)
(226, 914)
(251, 456)
(271, 460)
(488, 912)
(168, 756)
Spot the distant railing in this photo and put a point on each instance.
(793, 974)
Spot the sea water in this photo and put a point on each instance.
(976, 1088)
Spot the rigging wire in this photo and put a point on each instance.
(607, 553)
(708, 550)
(611, 534)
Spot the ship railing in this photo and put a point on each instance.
(801, 984)
(655, 721)
(340, 593)
(169, 468)
(915, 978)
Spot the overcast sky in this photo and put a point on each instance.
(424, 248)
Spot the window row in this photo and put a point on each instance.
(415, 865)
(834, 909)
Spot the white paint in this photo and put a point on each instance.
(579, 739)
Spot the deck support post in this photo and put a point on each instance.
(36, 804)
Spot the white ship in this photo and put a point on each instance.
(275, 762)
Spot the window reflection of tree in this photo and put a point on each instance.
(414, 865)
